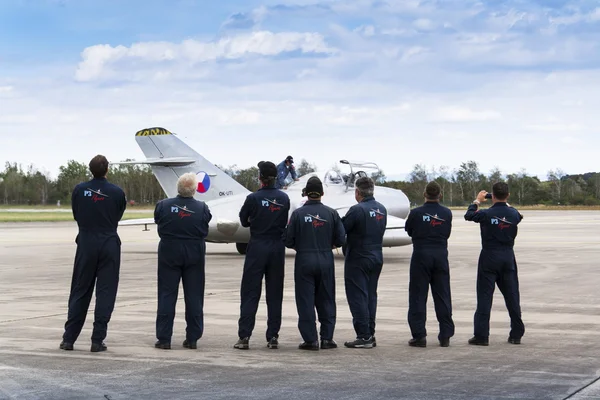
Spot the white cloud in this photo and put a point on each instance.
(99, 58)
(555, 127)
(464, 114)
(462, 75)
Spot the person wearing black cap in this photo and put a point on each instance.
(97, 205)
(265, 212)
(497, 263)
(283, 169)
(365, 225)
(313, 232)
(430, 226)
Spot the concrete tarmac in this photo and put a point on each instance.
(559, 358)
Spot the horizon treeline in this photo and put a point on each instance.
(30, 186)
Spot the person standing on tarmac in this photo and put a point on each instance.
(182, 224)
(266, 213)
(365, 224)
(430, 226)
(313, 231)
(97, 206)
(497, 263)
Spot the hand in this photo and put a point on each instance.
(297, 179)
(481, 196)
(285, 188)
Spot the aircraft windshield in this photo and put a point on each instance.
(343, 174)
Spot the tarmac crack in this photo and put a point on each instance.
(582, 388)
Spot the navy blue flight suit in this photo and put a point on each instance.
(365, 224)
(97, 206)
(314, 231)
(266, 213)
(429, 226)
(497, 265)
(282, 173)
(182, 224)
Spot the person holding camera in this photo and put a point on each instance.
(430, 226)
(313, 231)
(497, 263)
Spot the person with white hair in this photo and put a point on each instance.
(182, 224)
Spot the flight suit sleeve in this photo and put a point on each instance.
(293, 172)
(246, 211)
(474, 214)
(157, 212)
(122, 205)
(349, 220)
(74, 201)
(289, 235)
(207, 213)
(339, 232)
(449, 223)
(409, 225)
(281, 173)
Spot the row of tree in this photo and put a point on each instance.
(460, 186)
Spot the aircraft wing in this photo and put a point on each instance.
(137, 221)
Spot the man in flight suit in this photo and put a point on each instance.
(497, 263)
(430, 226)
(98, 206)
(182, 224)
(266, 213)
(365, 225)
(283, 169)
(313, 231)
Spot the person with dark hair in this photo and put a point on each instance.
(97, 206)
(285, 168)
(313, 231)
(430, 226)
(182, 224)
(265, 212)
(365, 225)
(497, 263)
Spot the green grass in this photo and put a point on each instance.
(540, 207)
(65, 207)
(54, 216)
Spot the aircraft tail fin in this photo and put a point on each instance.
(169, 157)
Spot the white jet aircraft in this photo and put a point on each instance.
(169, 158)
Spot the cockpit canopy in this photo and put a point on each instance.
(337, 177)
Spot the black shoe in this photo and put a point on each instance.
(189, 344)
(514, 340)
(309, 346)
(97, 347)
(66, 345)
(328, 344)
(360, 343)
(242, 344)
(273, 343)
(421, 342)
(445, 342)
(162, 345)
(374, 342)
(478, 341)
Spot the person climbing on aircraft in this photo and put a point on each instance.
(283, 169)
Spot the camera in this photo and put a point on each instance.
(488, 196)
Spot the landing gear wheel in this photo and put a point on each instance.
(241, 247)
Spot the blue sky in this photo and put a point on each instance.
(511, 84)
